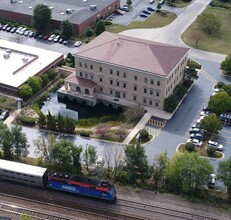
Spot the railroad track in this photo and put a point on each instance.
(164, 210)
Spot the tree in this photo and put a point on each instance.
(170, 103)
(75, 153)
(35, 82)
(226, 64)
(159, 167)
(190, 147)
(211, 123)
(99, 28)
(133, 114)
(60, 122)
(51, 121)
(25, 91)
(66, 30)
(41, 121)
(136, 163)
(220, 103)
(69, 124)
(129, 2)
(43, 147)
(89, 156)
(45, 79)
(41, 18)
(191, 73)
(88, 32)
(227, 89)
(19, 141)
(188, 173)
(7, 143)
(209, 23)
(197, 36)
(224, 174)
(144, 135)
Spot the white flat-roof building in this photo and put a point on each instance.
(18, 62)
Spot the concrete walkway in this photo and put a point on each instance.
(11, 117)
(141, 124)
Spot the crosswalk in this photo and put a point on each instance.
(209, 77)
(157, 122)
(153, 131)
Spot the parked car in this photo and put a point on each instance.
(78, 43)
(61, 40)
(18, 30)
(1, 26)
(5, 27)
(206, 108)
(151, 1)
(124, 8)
(46, 37)
(146, 12)
(196, 125)
(26, 33)
(204, 113)
(200, 119)
(195, 130)
(150, 9)
(214, 144)
(198, 136)
(13, 30)
(40, 36)
(143, 15)
(195, 142)
(21, 32)
(36, 35)
(52, 37)
(31, 34)
(4, 115)
(8, 28)
(212, 180)
(66, 42)
(56, 39)
(0, 111)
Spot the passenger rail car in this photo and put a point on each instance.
(23, 173)
(82, 185)
(40, 177)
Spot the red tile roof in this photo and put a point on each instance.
(130, 52)
(72, 78)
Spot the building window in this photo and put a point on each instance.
(157, 93)
(151, 92)
(144, 101)
(145, 90)
(145, 80)
(80, 64)
(100, 79)
(85, 65)
(86, 76)
(156, 104)
(81, 74)
(124, 85)
(111, 71)
(124, 75)
(111, 92)
(101, 89)
(134, 98)
(150, 102)
(152, 81)
(91, 77)
(135, 88)
(91, 67)
(100, 69)
(111, 81)
(117, 73)
(158, 83)
(118, 83)
(135, 77)
(124, 95)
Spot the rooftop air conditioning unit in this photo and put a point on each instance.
(93, 7)
(6, 55)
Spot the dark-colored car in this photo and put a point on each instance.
(1, 26)
(40, 36)
(0, 111)
(146, 12)
(9, 28)
(150, 9)
(31, 34)
(36, 35)
(46, 36)
(143, 15)
(66, 42)
(4, 115)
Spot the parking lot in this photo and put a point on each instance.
(41, 43)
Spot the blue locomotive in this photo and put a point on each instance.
(40, 177)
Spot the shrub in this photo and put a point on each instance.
(211, 151)
(52, 73)
(144, 136)
(190, 147)
(84, 133)
(219, 85)
(106, 22)
(194, 64)
(27, 120)
(121, 176)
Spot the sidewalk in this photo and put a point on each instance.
(11, 117)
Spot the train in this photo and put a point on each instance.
(41, 177)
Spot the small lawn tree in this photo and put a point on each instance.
(100, 27)
(226, 64)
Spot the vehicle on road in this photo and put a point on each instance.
(41, 177)
(214, 144)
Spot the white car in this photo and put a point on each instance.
(18, 30)
(201, 118)
(217, 146)
(78, 43)
(52, 37)
(204, 113)
(212, 180)
(21, 32)
(195, 142)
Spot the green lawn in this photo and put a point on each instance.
(219, 42)
(154, 21)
